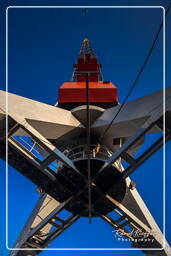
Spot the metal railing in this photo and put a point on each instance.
(96, 151)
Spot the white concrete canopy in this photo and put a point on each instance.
(132, 116)
(52, 122)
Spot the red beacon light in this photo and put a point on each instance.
(101, 93)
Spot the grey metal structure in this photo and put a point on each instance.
(47, 145)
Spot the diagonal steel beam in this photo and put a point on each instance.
(122, 152)
(49, 146)
(138, 228)
(64, 226)
(132, 140)
(30, 220)
(149, 152)
(132, 218)
(47, 219)
(29, 156)
(33, 236)
(33, 249)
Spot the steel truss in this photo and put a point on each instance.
(38, 234)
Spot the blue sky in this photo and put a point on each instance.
(43, 46)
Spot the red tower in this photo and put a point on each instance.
(101, 93)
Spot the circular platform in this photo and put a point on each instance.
(107, 180)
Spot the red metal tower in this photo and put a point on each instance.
(101, 93)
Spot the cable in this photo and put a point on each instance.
(138, 75)
(88, 148)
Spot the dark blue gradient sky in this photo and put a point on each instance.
(43, 46)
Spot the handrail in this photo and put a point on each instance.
(81, 152)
